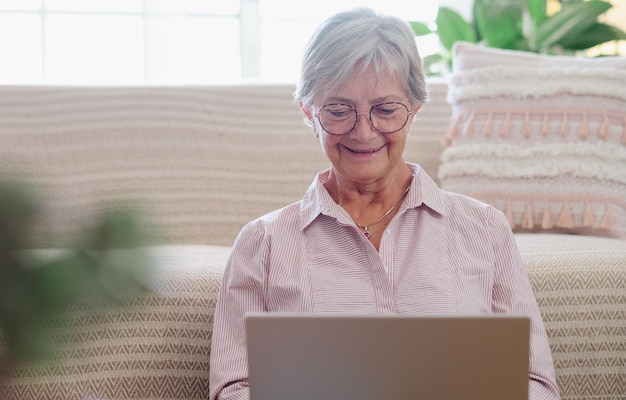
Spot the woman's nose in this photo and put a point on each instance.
(364, 125)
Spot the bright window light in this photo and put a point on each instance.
(219, 7)
(415, 10)
(21, 59)
(180, 50)
(20, 5)
(95, 5)
(282, 48)
(171, 41)
(286, 27)
(94, 48)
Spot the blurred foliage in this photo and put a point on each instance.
(105, 266)
(523, 25)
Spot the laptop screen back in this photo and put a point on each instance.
(309, 356)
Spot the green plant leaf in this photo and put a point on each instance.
(436, 64)
(571, 21)
(451, 28)
(537, 11)
(433, 58)
(597, 34)
(474, 24)
(420, 28)
(499, 22)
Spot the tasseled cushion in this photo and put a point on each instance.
(542, 138)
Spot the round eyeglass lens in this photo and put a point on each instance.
(340, 119)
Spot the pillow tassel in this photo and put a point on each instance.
(564, 126)
(587, 216)
(624, 132)
(487, 131)
(565, 219)
(604, 128)
(509, 213)
(526, 125)
(607, 220)
(545, 126)
(546, 221)
(583, 131)
(453, 132)
(527, 222)
(506, 125)
(468, 131)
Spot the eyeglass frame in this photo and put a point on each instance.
(356, 118)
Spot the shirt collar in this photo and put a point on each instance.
(317, 200)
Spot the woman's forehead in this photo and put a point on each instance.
(367, 84)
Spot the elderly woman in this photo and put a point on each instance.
(373, 233)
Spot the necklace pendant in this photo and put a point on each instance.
(366, 233)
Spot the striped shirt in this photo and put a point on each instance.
(442, 253)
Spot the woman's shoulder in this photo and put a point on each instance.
(280, 227)
(474, 213)
(458, 207)
(460, 201)
(446, 202)
(278, 219)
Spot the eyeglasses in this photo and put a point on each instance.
(340, 119)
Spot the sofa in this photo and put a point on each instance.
(201, 161)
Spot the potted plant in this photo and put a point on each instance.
(36, 291)
(524, 25)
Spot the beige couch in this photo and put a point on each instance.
(200, 162)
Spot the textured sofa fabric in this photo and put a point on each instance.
(156, 347)
(199, 162)
(579, 283)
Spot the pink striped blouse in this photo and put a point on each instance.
(441, 254)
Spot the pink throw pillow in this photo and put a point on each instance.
(542, 138)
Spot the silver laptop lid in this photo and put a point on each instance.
(310, 356)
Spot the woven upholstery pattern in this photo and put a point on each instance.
(580, 285)
(199, 161)
(158, 347)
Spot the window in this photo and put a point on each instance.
(168, 41)
(283, 21)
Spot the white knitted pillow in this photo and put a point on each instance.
(542, 138)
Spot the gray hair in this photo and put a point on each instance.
(360, 38)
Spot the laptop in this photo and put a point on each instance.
(366, 357)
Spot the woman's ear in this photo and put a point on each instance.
(308, 117)
(306, 111)
(414, 111)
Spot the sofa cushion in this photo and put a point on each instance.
(580, 286)
(187, 157)
(542, 138)
(198, 161)
(156, 347)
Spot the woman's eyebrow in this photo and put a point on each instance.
(384, 99)
(338, 100)
(377, 100)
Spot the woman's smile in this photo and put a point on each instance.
(364, 153)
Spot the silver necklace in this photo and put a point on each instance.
(365, 228)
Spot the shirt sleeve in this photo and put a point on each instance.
(241, 292)
(512, 293)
